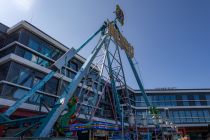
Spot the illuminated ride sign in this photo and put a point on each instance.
(93, 125)
(120, 40)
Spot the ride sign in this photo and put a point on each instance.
(120, 40)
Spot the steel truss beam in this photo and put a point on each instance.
(53, 115)
(59, 64)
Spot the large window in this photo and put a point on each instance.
(40, 45)
(32, 57)
(34, 44)
(27, 77)
(12, 37)
(3, 71)
(44, 48)
(7, 51)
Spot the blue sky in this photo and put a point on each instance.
(171, 37)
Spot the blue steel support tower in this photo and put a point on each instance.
(110, 32)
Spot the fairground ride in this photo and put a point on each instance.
(62, 116)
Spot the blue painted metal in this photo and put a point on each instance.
(123, 74)
(101, 29)
(49, 121)
(23, 120)
(3, 118)
(18, 103)
(25, 130)
(96, 98)
(59, 64)
(139, 82)
(111, 75)
(63, 60)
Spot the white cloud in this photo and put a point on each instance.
(24, 4)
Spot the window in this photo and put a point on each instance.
(13, 37)
(22, 75)
(188, 116)
(72, 75)
(43, 47)
(163, 113)
(168, 100)
(56, 54)
(156, 98)
(31, 57)
(51, 86)
(179, 100)
(138, 98)
(4, 70)
(45, 50)
(203, 99)
(194, 116)
(170, 113)
(149, 98)
(7, 51)
(208, 99)
(182, 116)
(191, 100)
(162, 100)
(34, 44)
(74, 66)
(206, 115)
(24, 79)
(185, 100)
(176, 117)
(43, 62)
(173, 100)
(34, 58)
(19, 74)
(197, 100)
(201, 116)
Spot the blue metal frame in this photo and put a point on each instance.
(139, 81)
(111, 75)
(59, 64)
(98, 88)
(49, 121)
